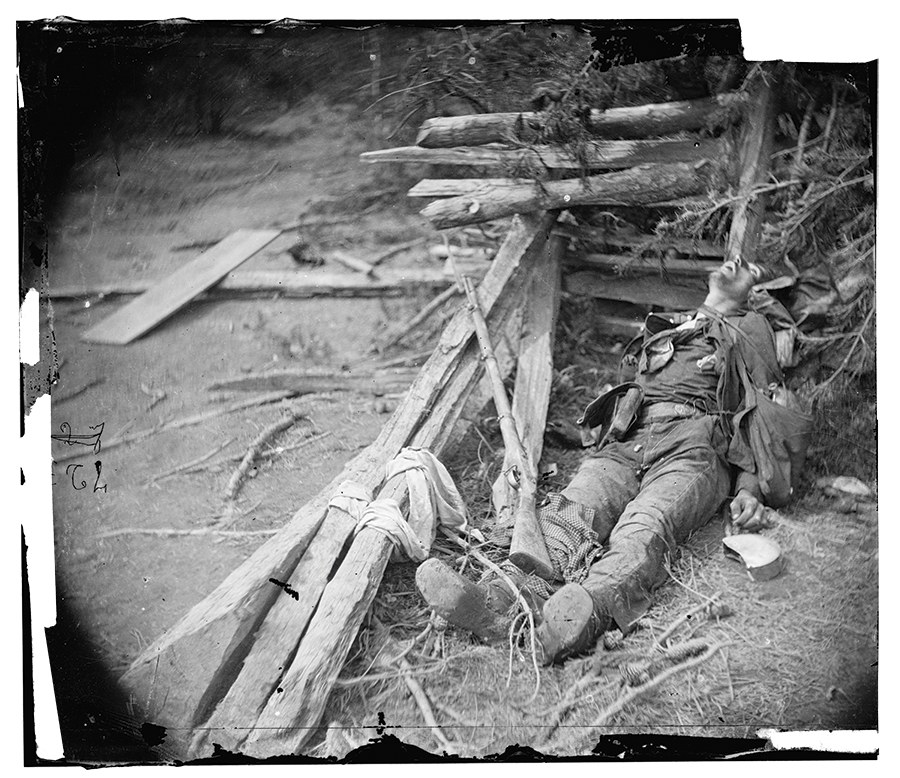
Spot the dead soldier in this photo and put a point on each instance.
(695, 430)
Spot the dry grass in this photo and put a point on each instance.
(797, 653)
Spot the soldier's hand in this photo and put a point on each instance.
(747, 513)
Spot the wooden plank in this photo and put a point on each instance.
(534, 374)
(299, 284)
(177, 681)
(593, 155)
(307, 684)
(626, 122)
(643, 186)
(645, 291)
(177, 290)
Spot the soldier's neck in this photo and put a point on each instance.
(723, 304)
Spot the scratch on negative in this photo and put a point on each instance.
(288, 590)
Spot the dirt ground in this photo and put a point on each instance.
(805, 646)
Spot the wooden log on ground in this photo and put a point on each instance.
(307, 382)
(534, 375)
(643, 186)
(645, 291)
(178, 680)
(285, 706)
(595, 155)
(754, 159)
(300, 284)
(640, 121)
(354, 263)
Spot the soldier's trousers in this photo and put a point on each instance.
(642, 496)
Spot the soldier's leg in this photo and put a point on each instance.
(573, 522)
(576, 521)
(680, 493)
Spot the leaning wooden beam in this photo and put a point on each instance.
(534, 375)
(631, 122)
(645, 291)
(641, 186)
(754, 160)
(178, 680)
(594, 155)
(283, 708)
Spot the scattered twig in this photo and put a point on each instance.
(859, 338)
(388, 253)
(415, 321)
(415, 641)
(415, 688)
(271, 453)
(240, 184)
(424, 704)
(708, 600)
(660, 641)
(453, 714)
(832, 115)
(354, 263)
(400, 91)
(80, 390)
(186, 467)
(156, 396)
(586, 686)
(636, 691)
(239, 475)
(728, 675)
(804, 133)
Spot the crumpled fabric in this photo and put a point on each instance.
(432, 492)
(351, 497)
(659, 349)
(433, 499)
(386, 517)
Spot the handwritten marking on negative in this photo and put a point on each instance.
(69, 439)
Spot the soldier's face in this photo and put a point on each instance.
(735, 279)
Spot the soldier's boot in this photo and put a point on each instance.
(483, 609)
(571, 624)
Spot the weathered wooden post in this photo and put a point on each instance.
(754, 161)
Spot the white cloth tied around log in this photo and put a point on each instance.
(433, 499)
